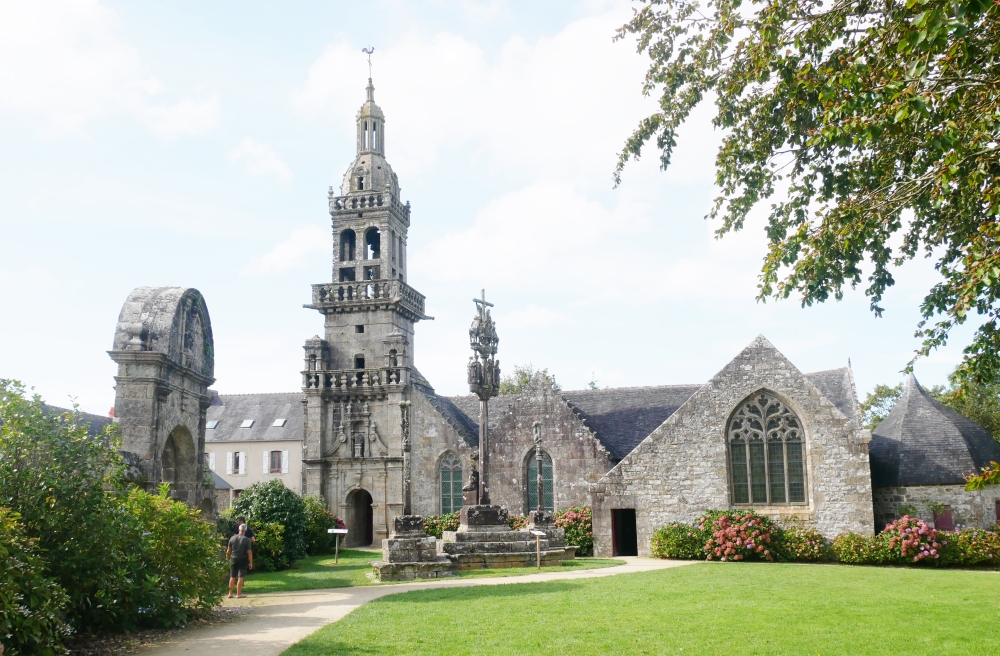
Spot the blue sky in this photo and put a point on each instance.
(192, 144)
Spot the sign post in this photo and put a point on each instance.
(538, 546)
(337, 532)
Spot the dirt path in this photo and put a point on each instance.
(281, 619)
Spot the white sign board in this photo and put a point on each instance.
(337, 531)
(540, 534)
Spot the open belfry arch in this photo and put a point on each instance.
(166, 361)
(355, 376)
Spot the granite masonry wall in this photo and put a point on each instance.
(578, 458)
(681, 469)
(977, 509)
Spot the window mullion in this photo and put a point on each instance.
(767, 471)
(784, 453)
(746, 448)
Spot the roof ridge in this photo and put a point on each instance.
(260, 394)
(633, 387)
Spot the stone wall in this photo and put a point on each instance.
(976, 509)
(578, 458)
(433, 436)
(681, 470)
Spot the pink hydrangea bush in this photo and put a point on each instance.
(739, 535)
(802, 544)
(578, 523)
(914, 540)
(972, 547)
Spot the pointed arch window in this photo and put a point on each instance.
(531, 482)
(451, 484)
(765, 453)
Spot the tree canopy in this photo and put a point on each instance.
(858, 121)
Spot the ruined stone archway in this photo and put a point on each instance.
(178, 462)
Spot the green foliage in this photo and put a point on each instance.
(269, 552)
(980, 402)
(182, 572)
(972, 547)
(319, 520)
(272, 503)
(878, 404)
(909, 541)
(123, 557)
(517, 522)
(518, 380)
(31, 605)
(436, 525)
(841, 117)
(803, 545)
(678, 540)
(578, 523)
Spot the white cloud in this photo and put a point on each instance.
(290, 253)
(260, 160)
(559, 107)
(63, 63)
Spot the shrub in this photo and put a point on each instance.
(677, 540)
(319, 520)
(436, 525)
(971, 547)
(273, 503)
(801, 544)
(269, 547)
(517, 522)
(739, 535)
(31, 605)
(578, 523)
(181, 570)
(911, 540)
(852, 548)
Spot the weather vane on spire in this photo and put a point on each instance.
(368, 51)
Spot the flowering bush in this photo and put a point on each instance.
(678, 540)
(971, 547)
(911, 539)
(802, 544)
(578, 523)
(852, 548)
(739, 535)
(517, 522)
(437, 524)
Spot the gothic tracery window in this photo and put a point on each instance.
(765, 453)
(531, 482)
(451, 484)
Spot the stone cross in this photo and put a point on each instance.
(484, 382)
(404, 411)
(368, 51)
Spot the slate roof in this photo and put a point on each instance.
(923, 442)
(837, 385)
(230, 410)
(95, 423)
(220, 483)
(623, 416)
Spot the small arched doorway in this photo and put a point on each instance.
(361, 526)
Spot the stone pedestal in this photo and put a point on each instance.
(410, 553)
(483, 518)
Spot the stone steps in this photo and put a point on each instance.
(519, 546)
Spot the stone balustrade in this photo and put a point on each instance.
(349, 295)
(360, 380)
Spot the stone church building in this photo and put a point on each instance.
(759, 434)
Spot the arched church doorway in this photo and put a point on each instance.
(361, 528)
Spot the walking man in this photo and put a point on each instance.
(241, 521)
(240, 553)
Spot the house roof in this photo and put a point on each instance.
(837, 385)
(923, 442)
(231, 410)
(220, 483)
(95, 423)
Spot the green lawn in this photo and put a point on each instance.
(318, 572)
(711, 608)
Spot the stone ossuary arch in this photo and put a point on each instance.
(178, 458)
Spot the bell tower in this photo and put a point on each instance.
(356, 375)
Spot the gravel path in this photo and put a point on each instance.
(281, 619)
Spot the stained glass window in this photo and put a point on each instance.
(451, 484)
(531, 482)
(765, 453)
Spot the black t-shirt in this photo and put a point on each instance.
(239, 545)
(249, 531)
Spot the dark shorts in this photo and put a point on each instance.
(238, 569)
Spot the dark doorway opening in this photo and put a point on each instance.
(624, 540)
(364, 530)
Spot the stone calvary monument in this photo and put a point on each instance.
(484, 538)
